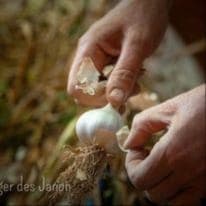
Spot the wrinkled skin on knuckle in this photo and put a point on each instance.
(168, 108)
(122, 77)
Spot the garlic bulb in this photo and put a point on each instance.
(100, 126)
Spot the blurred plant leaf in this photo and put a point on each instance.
(67, 137)
(34, 6)
(76, 26)
(3, 87)
(67, 116)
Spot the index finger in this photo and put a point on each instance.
(147, 172)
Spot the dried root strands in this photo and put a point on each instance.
(81, 176)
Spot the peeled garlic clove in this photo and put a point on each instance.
(87, 73)
(88, 78)
(100, 126)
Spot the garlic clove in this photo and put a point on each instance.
(87, 72)
(99, 126)
(88, 78)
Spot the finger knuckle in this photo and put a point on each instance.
(139, 119)
(124, 75)
(168, 108)
(136, 36)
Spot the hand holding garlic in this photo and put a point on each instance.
(126, 35)
(173, 173)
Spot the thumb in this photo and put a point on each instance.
(122, 79)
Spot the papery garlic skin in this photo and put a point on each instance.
(100, 126)
(122, 135)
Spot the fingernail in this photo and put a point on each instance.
(117, 95)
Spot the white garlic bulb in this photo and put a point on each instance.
(100, 126)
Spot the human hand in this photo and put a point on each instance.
(175, 170)
(127, 34)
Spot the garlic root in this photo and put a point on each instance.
(82, 175)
